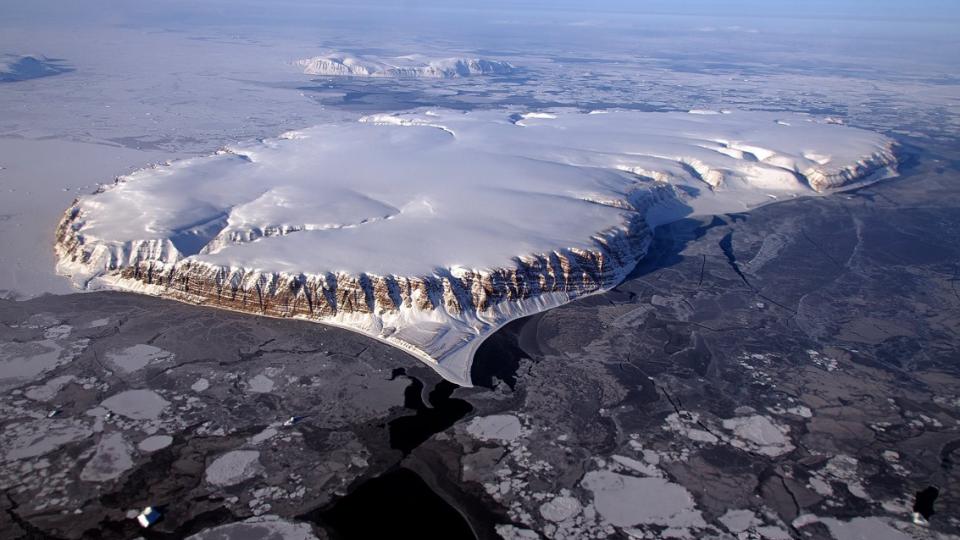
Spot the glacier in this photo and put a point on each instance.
(413, 66)
(430, 229)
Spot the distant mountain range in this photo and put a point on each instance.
(411, 66)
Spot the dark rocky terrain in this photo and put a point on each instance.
(791, 372)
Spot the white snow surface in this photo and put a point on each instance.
(413, 66)
(432, 193)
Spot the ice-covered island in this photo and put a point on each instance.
(413, 66)
(14, 68)
(428, 230)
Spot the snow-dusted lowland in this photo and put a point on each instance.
(429, 230)
(414, 66)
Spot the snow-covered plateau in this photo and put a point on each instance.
(429, 230)
(414, 66)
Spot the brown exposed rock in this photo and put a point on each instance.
(162, 271)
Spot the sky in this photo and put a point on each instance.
(291, 12)
(925, 30)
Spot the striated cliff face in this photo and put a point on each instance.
(458, 294)
(430, 231)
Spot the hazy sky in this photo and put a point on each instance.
(305, 11)
(893, 32)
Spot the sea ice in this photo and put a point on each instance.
(758, 433)
(234, 467)
(260, 527)
(22, 362)
(874, 528)
(261, 384)
(30, 439)
(200, 385)
(512, 532)
(49, 389)
(626, 501)
(560, 508)
(738, 521)
(138, 357)
(110, 460)
(136, 404)
(155, 442)
(497, 427)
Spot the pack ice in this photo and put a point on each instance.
(429, 230)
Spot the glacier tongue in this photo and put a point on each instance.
(428, 230)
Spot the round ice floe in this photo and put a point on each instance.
(136, 404)
(155, 442)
